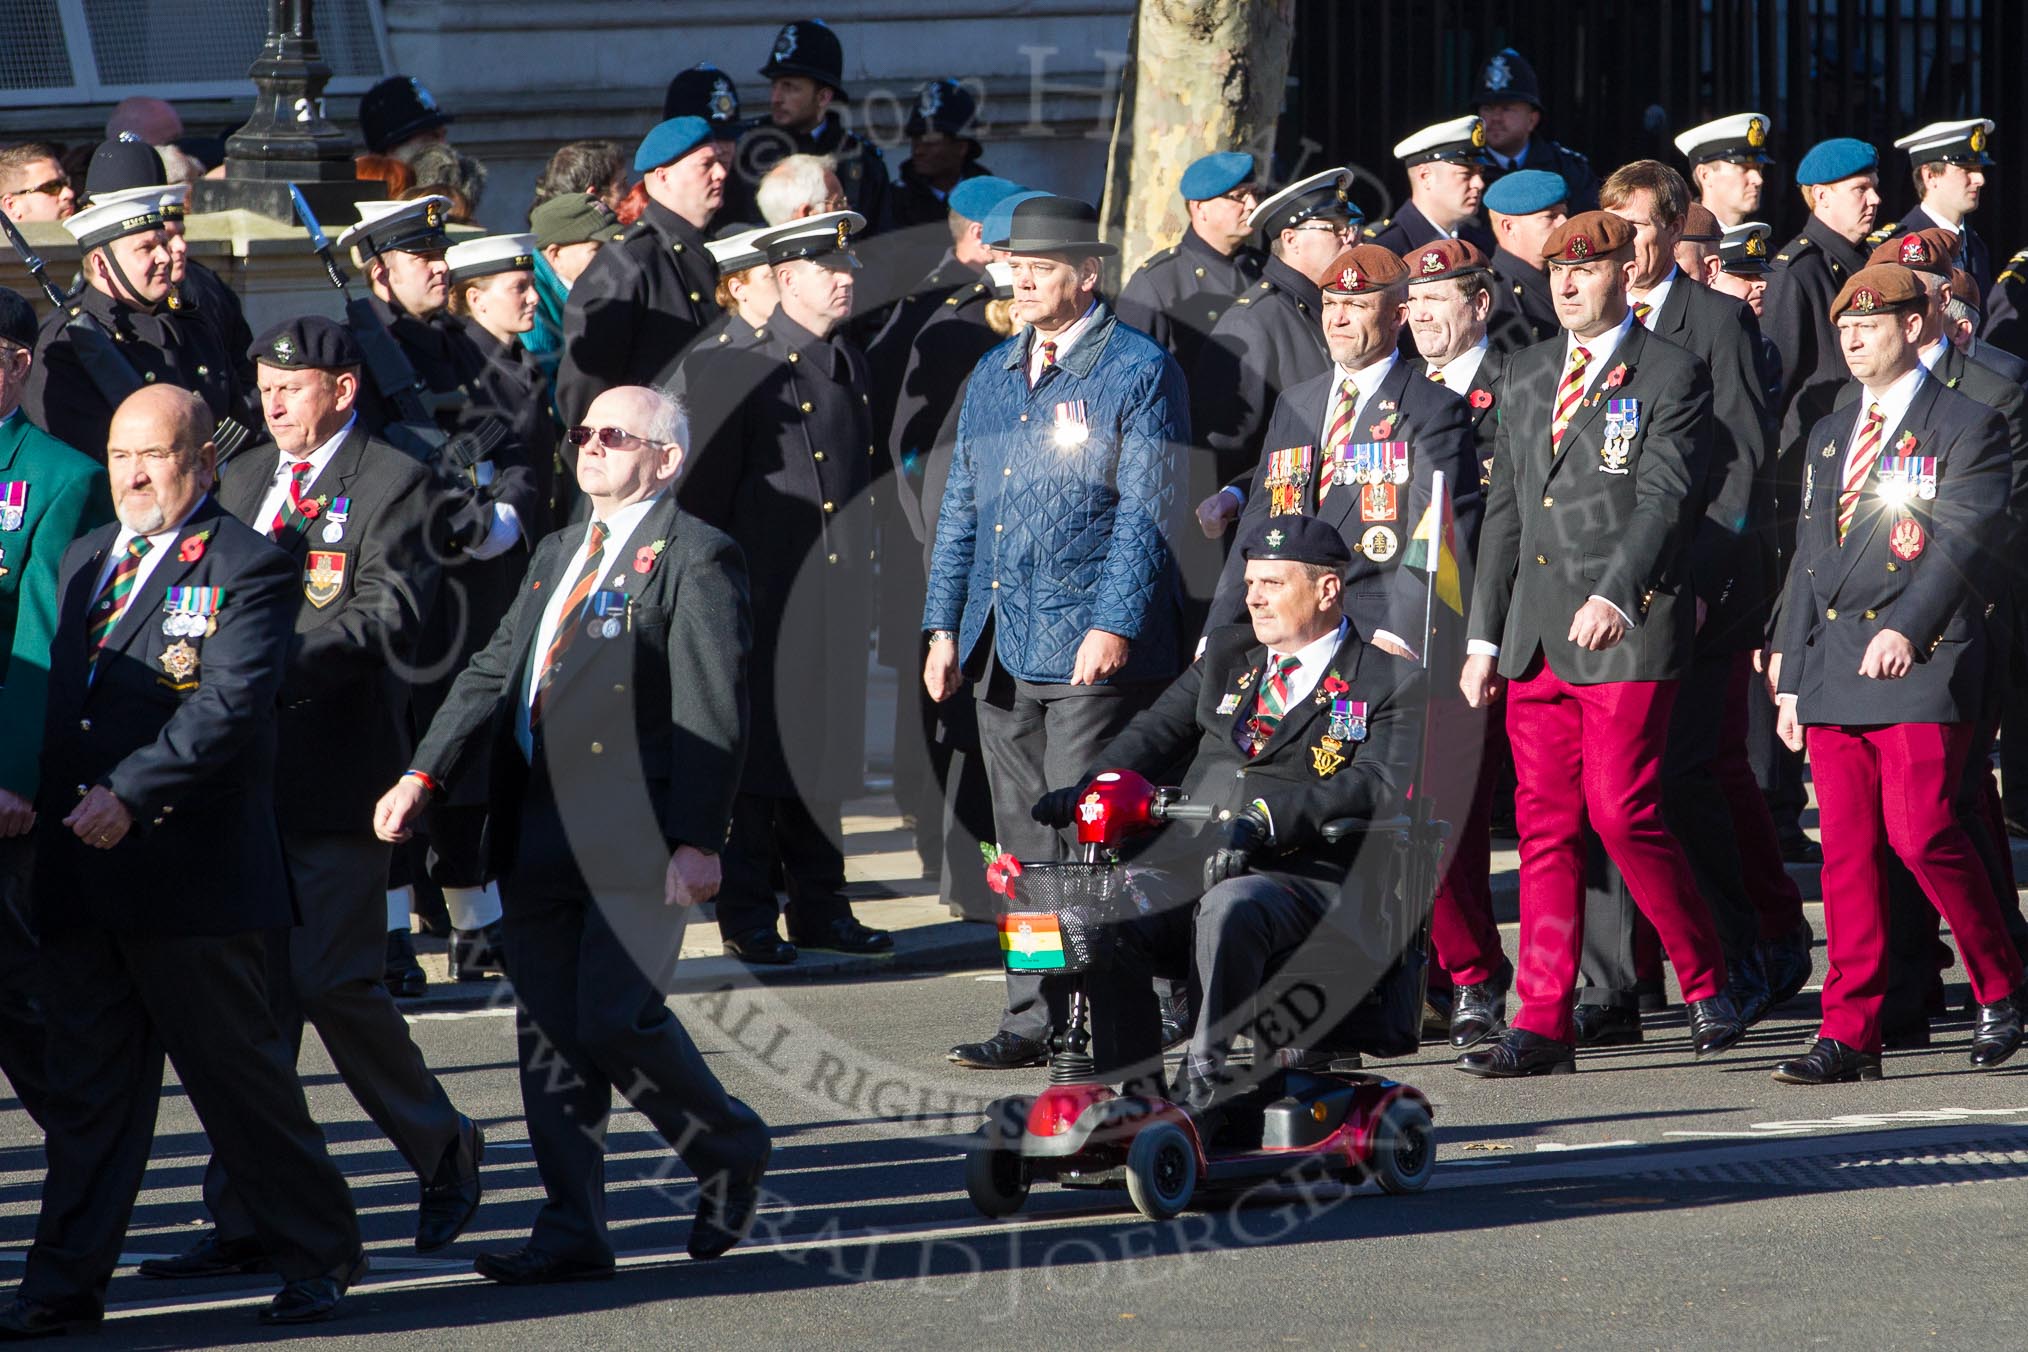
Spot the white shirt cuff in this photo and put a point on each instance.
(1786, 699)
(501, 536)
(1479, 647)
(1398, 642)
(1625, 618)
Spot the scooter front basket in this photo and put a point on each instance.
(1060, 917)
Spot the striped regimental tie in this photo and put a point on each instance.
(1568, 394)
(111, 602)
(566, 619)
(1864, 456)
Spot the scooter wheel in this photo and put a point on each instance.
(1404, 1147)
(997, 1181)
(1161, 1170)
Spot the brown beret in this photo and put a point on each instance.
(1588, 235)
(1443, 258)
(1700, 226)
(1878, 289)
(1363, 268)
(1962, 288)
(1928, 250)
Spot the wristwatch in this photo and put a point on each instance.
(942, 636)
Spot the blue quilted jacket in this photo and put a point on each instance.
(1061, 504)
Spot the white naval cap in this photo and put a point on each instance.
(495, 253)
(739, 251)
(1461, 139)
(822, 237)
(408, 226)
(1742, 138)
(1323, 194)
(104, 222)
(1961, 142)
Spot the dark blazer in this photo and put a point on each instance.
(192, 757)
(1561, 527)
(1270, 340)
(1409, 229)
(345, 703)
(642, 735)
(1379, 593)
(1484, 400)
(1839, 596)
(1731, 547)
(1299, 774)
(1973, 255)
(2001, 360)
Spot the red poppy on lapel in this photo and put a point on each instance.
(1482, 398)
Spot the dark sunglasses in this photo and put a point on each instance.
(612, 438)
(55, 187)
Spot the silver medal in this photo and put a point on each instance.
(611, 628)
(333, 532)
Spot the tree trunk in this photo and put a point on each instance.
(1207, 75)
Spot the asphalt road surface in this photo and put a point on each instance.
(1647, 1201)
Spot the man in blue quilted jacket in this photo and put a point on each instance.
(1052, 586)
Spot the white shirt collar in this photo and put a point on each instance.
(1893, 402)
(1460, 370)
(1368, 378)
(158, 538)
(1956, 227)
(1657, 294)
(1313, 659)
(1064, 342)
(623, 522)
(1601, 348)
(1933, 354)
(318, 458)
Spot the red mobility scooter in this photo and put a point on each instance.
(1351, 1125)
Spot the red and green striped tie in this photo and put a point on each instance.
(1273, 703)
(112, 599)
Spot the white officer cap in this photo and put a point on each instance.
(1320, 195)
(407, 226)
(1742, 138)
(1961, 142)
(823, 238)
(495, 253)
(740, 251)
(1461, 140)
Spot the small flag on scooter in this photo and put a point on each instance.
(1031, 942)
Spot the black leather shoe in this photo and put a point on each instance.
(1002, 1051)
(1829, 1062)
(1746, 985)
(403, 975)
(1714, 1026)
(1478, 1012)
(1997, 1034)
(1519, 1052)
(1174, 1034)
(1906, 1037)
(762, 947)
(533, 1267)
(313, 1299)
(26, 1319)
(725, 1210)
(475, 954)
(1801, 850)
(846, 935)
(211, 1257)
(1788, 964)
(1606, 1025)
(451, 1199)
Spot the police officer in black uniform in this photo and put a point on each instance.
(706, 91)
(642, 301)
(1178, 295)
(807, 68)
(943, 153)
(785, 452)
(1509, 100)
(1525, 207)
(119, 334)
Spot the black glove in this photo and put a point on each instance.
(1057, 807)
(1246, 832)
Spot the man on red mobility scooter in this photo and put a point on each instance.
(1281, 726)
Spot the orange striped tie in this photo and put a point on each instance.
(1568, 394)
(566, 619)
(1436, 377)
(1339, 433)
(1641, 312)
(1860, 468)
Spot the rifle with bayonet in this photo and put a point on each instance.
(109, 371)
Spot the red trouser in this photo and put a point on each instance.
(1462, 930)
(1595, 752)
(1883, 788)
(1775, 897)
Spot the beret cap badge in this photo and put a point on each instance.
(1913, 250)
(1432, 261)
(1579, 247)
(1865, 302)
(1274, 539)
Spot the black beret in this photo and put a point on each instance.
(311, 343)
(17, 318)
(1297, 539)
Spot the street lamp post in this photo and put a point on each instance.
(288, 140)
